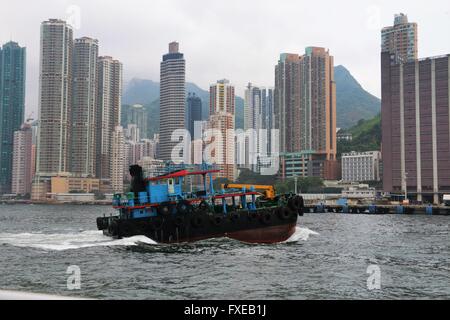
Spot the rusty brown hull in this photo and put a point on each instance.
(260, 226)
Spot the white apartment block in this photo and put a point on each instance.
(55, 87)
(361, 166)
(22, 171)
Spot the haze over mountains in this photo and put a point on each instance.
(353, 102)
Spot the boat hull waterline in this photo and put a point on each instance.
(265, 226)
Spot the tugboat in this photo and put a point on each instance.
(158, 208)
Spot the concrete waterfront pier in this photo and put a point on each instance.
(379, 209)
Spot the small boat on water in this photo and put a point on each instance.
(159, 208)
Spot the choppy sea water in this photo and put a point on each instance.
(327, 258)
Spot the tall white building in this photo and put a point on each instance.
(55, 90)
(361, 166)
(84, 107)
(172, 99)
(109, 97)
(117, 159)
(221, 127)
(22, 170)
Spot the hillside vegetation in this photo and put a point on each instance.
(366, 137)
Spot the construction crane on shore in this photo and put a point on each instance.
(269, 191)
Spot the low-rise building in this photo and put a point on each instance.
(73, 197)
(308, 164)
(361, 166)
(74, 184)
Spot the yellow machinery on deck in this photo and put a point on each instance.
(269, 191)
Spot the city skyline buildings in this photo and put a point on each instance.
(72, 108)
(362, 25)
(80, 102)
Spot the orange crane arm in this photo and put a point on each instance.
(269, 190)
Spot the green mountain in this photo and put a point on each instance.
(353, 103)
(139, 91)
(366, 136)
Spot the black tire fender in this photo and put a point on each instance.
(284, 213)
(217, 219)
(266, 217)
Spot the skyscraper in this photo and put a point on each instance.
(318, 103)
(172, 99)
(84, 107)
(305, 108)
(221, 121)
(400, 39)
(22, 170)
(12, 106)
(193, 113)
(55, 98)
(287, 101)
(109, 96)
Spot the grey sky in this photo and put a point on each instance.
(235, 39)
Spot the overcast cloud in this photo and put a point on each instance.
(234, 39)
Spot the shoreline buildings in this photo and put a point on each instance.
(415, 116)
(79, 111)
